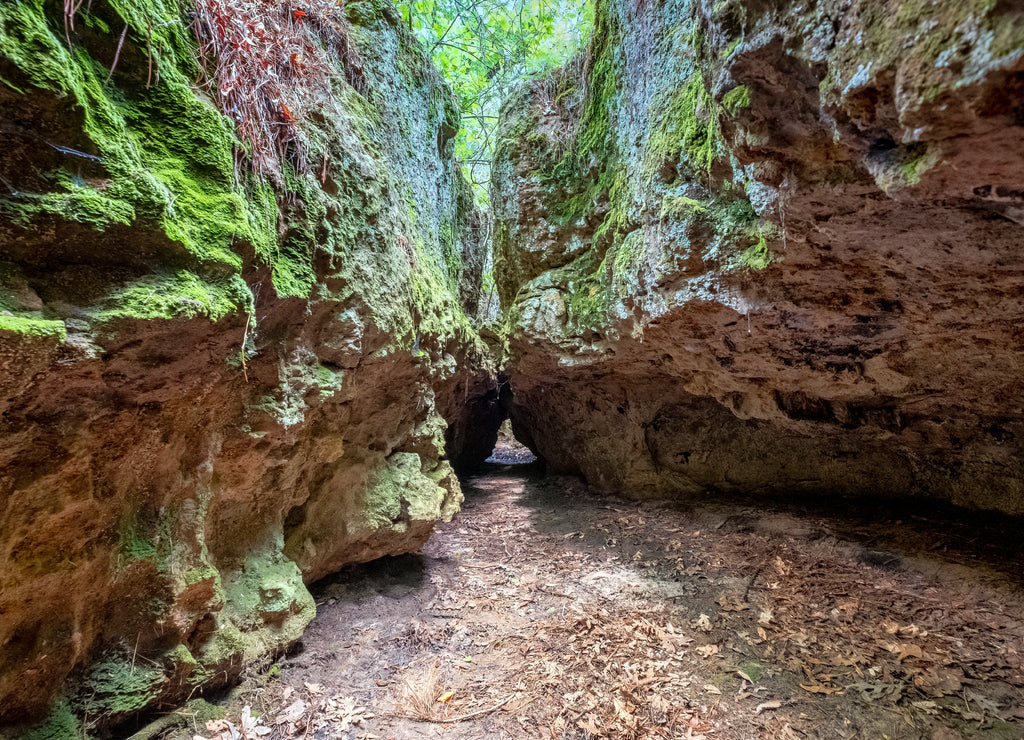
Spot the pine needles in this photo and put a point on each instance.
(271, 63)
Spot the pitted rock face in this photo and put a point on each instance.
(769, 247)
(215, 386)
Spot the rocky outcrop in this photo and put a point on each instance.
(773, 247)
(217, 385)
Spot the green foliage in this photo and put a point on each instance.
(61, 724)
(483, 47)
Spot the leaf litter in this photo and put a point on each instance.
(527, 617)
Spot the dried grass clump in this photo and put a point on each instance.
(417, 697)
(272, 61)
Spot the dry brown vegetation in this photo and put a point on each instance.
(271, 63)
(546, 612)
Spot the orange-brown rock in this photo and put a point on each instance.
(772, 247)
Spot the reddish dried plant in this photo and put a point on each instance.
(272, 61)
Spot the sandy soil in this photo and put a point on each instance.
(546, 611)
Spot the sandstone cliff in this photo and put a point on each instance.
(773, 247)
(219, 382)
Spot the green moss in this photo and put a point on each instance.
(698, 42)
(757, 257)
(33, 328)
(917, 160)
(203, 711)
(628, 258)
(589, 293)
(61, 724)
(587, 307)
(398, 493)
(202, 573)
(437, 311)
(78, 203)
(973, 33)
(180, 655)
(688, 125)
(143, 538)
(168, 154)
(95, 22)
(120, 683)
(136, 547)
(172, 295)
(681, 206)
(179, 660)
(738, 97)
(595, 139)
(754, 670)
(595, 132)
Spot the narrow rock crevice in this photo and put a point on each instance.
(755, 260)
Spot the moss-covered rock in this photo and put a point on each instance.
(763, 246)
(193, 356)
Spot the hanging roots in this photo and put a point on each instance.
(271, 62)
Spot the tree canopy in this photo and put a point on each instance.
(483, 47)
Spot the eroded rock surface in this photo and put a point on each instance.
(216, 386)
(773, 247)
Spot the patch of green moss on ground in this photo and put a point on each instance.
(34, 328)
(203, 711)
(753, 670)
(61, 724)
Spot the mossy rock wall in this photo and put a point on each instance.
(772, 247)
(215, 387)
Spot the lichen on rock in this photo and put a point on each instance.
(210, 375)
(769, 248)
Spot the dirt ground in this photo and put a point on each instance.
(546, 611)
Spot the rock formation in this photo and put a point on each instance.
(219, 381)
(741, 245)
(773, 247)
